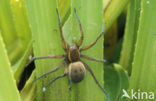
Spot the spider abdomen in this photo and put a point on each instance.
(76, 72)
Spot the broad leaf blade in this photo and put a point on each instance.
(130, 35)
(44, 24)
(90, 14)
(9, 32)
(7, 24)
(8, 89)
(113, 10)
(144, 65)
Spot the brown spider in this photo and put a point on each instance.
(75, 67)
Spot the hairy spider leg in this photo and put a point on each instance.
(91, 72)
(61, 33)
(75, 41)
(51, 71)
(45, 57)
(92, 59)
(58, 77)
(81, 31)
(94, 42)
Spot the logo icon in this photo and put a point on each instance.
(140, 95)
(125, 94)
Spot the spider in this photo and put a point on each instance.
(75, 68)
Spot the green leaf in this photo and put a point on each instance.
(9, 32)
(130, 36)
(24, 36)
(115, 81)
(44, 25)
(90, 14)
(112, 10)
(8, 89)
(144, 65)
(64, 9)
(21, 22)
(7, 24)
(20, 64)
(15, 28)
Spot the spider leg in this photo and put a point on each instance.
(75, 41)
(93, 59)
(60, 76)
(48, 57)
(51, 71)
(91, 72)
(81, 31)
(60, 27)
(94, 42)
(44, 57)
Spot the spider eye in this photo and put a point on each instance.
(76, 72)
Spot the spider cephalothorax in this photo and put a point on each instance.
(73, 53)
(75, 68)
